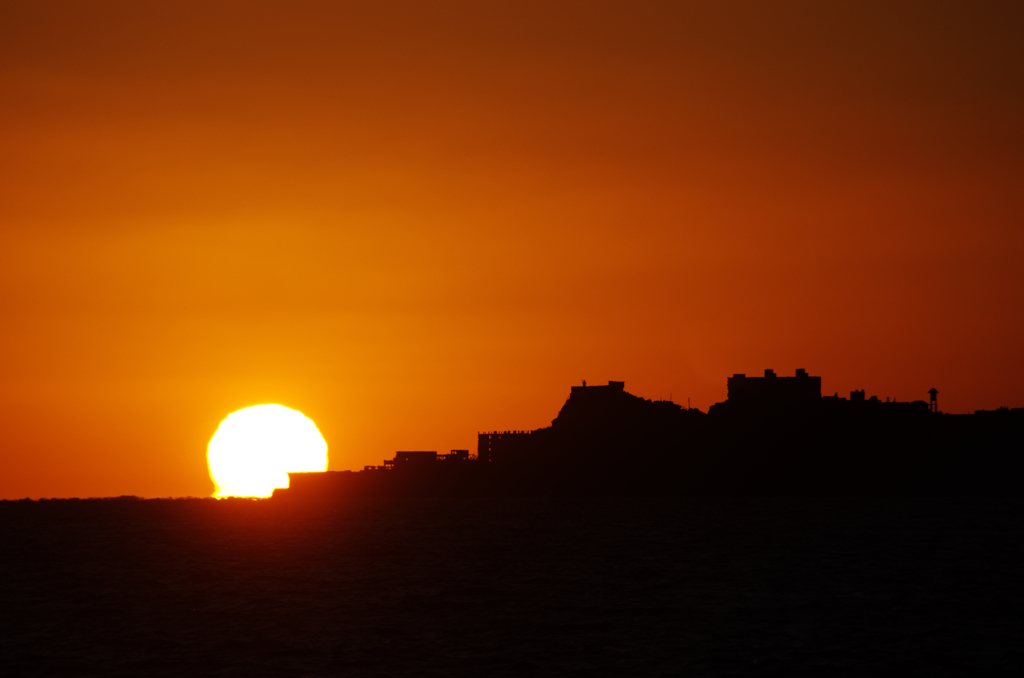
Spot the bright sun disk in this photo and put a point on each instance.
(254, 449)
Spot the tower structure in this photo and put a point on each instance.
(933, 402)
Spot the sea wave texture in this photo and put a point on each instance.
(513, 586)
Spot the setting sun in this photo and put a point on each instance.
(254, 449)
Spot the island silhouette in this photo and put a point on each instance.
(773, 435)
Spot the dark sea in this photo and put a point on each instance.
(523, 586)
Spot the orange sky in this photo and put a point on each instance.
(416, 221)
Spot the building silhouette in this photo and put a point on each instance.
(497, 445)
(772, 390)
(772, 435)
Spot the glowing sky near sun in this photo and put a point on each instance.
(416, 221)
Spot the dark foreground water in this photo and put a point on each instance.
(488, 587)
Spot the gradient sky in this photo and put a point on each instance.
(415, 221)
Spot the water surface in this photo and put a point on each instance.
(513, 586)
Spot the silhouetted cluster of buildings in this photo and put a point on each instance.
(419, 460)
(773, 434)
(773, 393)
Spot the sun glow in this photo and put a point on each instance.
(254, 449)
